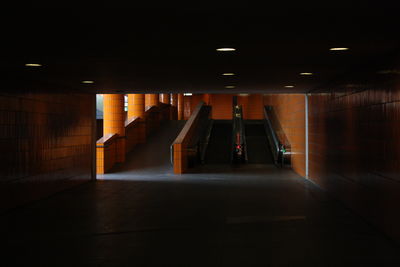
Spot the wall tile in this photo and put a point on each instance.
(46, 143)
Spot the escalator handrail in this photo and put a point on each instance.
(238, 125)
(206, 140)
(275, 144)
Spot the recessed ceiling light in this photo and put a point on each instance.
(230, 86)
(187, 94)
(228, 74)
(226, 49)
(339, 49)
(394, 71)
(306, 73)
(33, 65)
(87, 82)
(289, 86)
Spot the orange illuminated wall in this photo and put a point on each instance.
(187, 107)
(252, 106)
(47, 145)
(195, 99)
(290, 110)
(221, 106)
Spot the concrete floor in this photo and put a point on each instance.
(254, 215)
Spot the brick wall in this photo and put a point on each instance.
(46, 144)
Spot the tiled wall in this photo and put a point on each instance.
(355, 150)
(221, 106)
(46, 144)
(252, 106)
(290, 110)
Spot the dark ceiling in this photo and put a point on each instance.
(174, 50)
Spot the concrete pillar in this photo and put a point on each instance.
(151, 100)
(114, 121)
(180, 107)
(164, 98)
(136, 105)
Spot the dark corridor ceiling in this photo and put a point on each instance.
(174, 50)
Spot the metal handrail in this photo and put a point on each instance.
(278, 147)
(238, 127)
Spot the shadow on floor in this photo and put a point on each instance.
(256, 215)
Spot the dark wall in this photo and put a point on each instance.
(46, 145)
(354, 144)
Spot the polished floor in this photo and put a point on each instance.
(143, 215)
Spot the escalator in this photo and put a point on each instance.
(219, 144)
(238, 141)
(258, 150)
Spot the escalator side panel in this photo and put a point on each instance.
(219, 146)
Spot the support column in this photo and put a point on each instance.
(180, 107)
(136, 105)
(151, 100)
(164, 98)
(174, 106)
(174, 100)
(114, 122)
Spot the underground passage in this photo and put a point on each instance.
(201, 136)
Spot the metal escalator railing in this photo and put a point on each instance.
(239, 150)
(278, 141)
(205, 140)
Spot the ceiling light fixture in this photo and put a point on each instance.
(339, 49)
(289, 86)
(187, 94)
(230, 86)
(306, 73)
(33, 65)
(226, 49)
(87, 82)
(228, 74)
